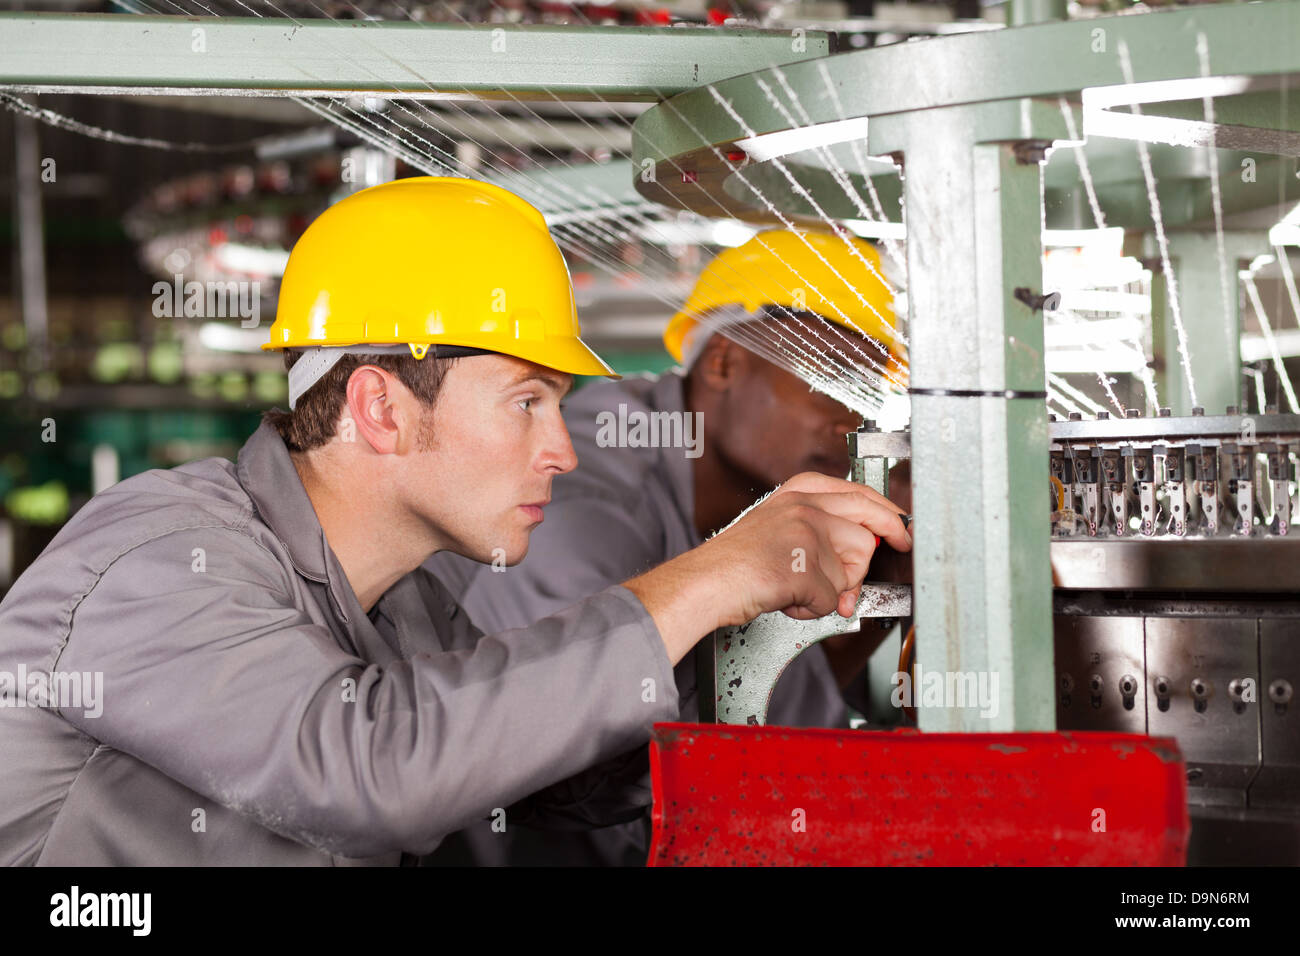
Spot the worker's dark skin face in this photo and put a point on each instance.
(762, 426)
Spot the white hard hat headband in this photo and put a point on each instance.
(312, 365)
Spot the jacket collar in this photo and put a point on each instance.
(268, 476)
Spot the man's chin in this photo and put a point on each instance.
(495, 555)
(500, 556)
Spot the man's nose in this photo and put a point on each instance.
(559, 456)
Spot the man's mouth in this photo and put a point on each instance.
(534, 511)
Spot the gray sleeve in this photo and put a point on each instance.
(217, 680)
(587, 544)
(582, 547)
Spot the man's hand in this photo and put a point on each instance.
(803, 550)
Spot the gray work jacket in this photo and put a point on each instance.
(251, 713)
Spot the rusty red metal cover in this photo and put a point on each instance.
(735, 795)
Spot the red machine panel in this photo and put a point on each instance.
(735, 795)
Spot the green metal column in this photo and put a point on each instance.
(1213, 333)
(979, 457)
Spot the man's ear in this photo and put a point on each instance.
(368, 408)
(721, 364)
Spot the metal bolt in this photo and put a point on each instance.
(1031, 151)
(1095, 683)
(1076, 416)
(1280, 691)
(1198, 410)
(1133, 413)
(1200, 688)
(1166, 412)
(1230, 410)
(1128, 685)
(1102, 416)
(1162, 686)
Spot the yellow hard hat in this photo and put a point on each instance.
(433, 260)
(777, 267)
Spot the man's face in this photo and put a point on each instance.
(494, 441)
(775, 426)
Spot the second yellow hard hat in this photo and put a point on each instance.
(803, 271)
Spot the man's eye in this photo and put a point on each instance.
(525, 403)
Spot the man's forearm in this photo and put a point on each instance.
(679, 594)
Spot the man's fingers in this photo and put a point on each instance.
(844, 551)
(842, 522)
(849, 601)
(811, 482)
(853, 547)
(837, 557)
(844, 609)
(883, 519)
(814, 482)
(844, 604)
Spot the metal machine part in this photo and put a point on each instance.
(1154, 477)
(1278, 781)
(1201, 613)
(737, 679)
(1163, 471)
(1213, 669)
(1099, 671)
(1185, 471)
(1203, 677)
(1176, 609)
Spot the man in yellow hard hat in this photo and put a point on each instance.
(282, 683)
(733, 422)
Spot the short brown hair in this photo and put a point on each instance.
(315, 419)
